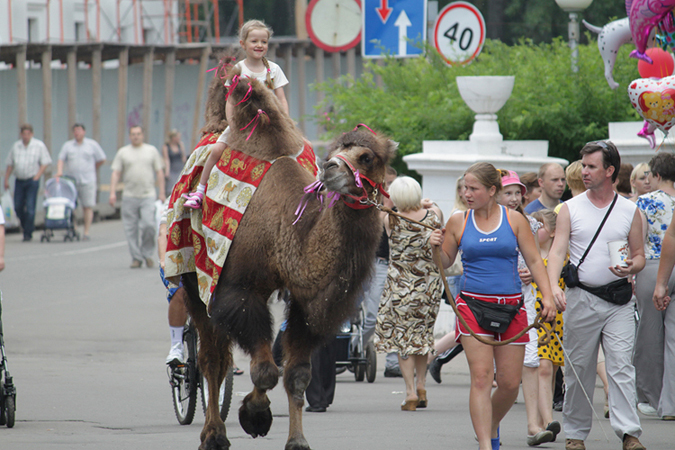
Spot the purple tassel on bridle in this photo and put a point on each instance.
(315, 189)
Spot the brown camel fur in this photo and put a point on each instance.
(322, 260)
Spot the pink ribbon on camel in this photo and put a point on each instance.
(253, 121)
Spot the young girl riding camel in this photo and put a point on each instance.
(254, 38)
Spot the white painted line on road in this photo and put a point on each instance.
(70, 252)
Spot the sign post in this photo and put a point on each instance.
(397, 28)
(334, 25)
(459, 33)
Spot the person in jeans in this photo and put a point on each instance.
(589, 318)
(28, 159)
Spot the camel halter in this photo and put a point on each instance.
(364, 200)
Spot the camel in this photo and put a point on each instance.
(322, 260)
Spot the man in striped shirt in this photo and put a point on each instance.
(28, 159)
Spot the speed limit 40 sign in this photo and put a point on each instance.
(459, 33)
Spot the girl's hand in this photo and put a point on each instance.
(559, 297)
(661, 299)
(437, 237)
(427, 203)
(548, 309)
(525, 276)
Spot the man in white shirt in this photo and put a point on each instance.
(600, 309)
(138, 165)
(28, 159)
(81, 157)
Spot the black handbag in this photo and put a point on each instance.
(492, 316)
(570, 272)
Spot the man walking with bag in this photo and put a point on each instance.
(599, 309)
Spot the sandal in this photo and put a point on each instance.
(193, 200)
(237, 371)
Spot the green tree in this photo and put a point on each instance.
(419, 99)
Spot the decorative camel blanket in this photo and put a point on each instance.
(200, 239)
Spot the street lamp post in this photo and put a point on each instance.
(573, 7)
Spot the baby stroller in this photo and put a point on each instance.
(7, 389)
(353, 353)
(59, 204)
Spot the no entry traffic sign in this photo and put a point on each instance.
(459, 33)
(334, 25)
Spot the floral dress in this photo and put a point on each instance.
(412, 293)
(657, 206)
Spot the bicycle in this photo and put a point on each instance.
(186, 379)
(7, 389)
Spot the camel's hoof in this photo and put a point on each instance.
(215, 442)
(297, 444)
(255, 423)
(265, 375)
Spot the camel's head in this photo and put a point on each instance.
(362, 151)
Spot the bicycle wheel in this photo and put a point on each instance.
(184, 380)
(224, 397)
(9, 411)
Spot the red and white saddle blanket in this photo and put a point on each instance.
(200, 239)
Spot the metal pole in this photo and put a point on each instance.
(573, 33)
(9, 18)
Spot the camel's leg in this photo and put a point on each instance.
(298, 346)
(243, 314)
(215, 358)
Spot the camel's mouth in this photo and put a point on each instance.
(338, 177)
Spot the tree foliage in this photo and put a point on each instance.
(418, 99)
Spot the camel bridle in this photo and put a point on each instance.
(364, 201)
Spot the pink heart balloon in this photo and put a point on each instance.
(654, 100)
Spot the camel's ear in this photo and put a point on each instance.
(392, 147)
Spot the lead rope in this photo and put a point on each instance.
(538, 323)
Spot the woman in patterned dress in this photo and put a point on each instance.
(654, 359)
(412, 293)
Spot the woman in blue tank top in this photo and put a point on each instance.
(489, 237)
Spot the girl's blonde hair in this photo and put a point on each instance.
(547, 217)
(244, 31)
(574, 178)
(406, 194)
(460, 203)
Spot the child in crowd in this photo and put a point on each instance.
(254, 38)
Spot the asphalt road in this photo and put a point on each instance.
(86, 339)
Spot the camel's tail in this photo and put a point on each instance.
(593, 28)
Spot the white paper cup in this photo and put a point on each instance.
(618, 252)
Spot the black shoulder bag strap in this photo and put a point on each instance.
(599, 229)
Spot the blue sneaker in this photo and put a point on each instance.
(495, 441)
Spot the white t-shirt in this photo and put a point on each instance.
(277, 75)
(585, 218)
(138, 166)
(80, 159)
(278, 80)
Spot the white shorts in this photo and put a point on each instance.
(86, 195)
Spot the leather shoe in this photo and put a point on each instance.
(135, 264)
(574, 444)
(435, 370)
(421, 398)
(554, 427)
(315, 409)
(149, 262)
(632, 443)
(540, 438)
(409, 405)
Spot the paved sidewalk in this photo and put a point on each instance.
(86, 339)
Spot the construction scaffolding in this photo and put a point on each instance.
(137, 22)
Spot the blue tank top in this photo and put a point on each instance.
(490, 260)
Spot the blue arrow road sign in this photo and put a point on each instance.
(394, 27)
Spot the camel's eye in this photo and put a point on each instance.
(366, 159)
